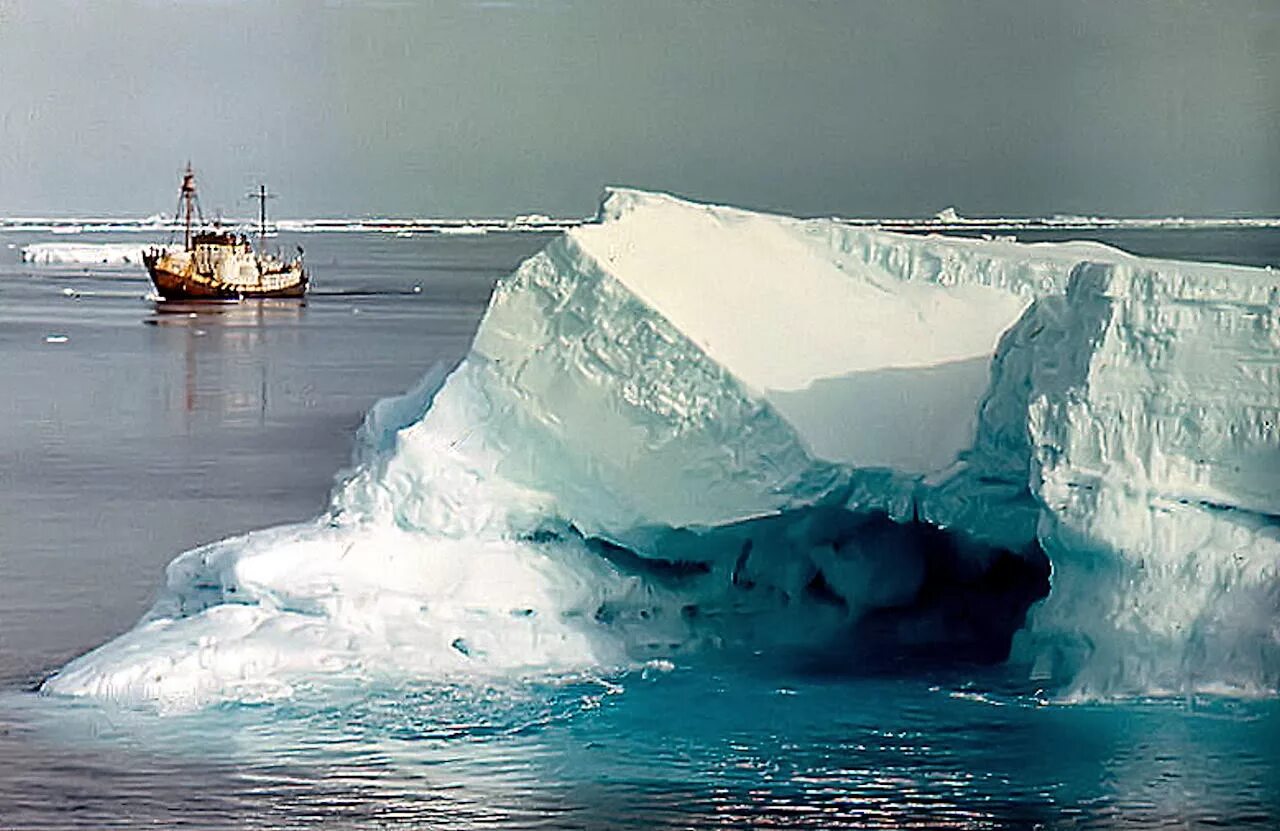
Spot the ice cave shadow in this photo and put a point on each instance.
(829, 592)
(966, 625)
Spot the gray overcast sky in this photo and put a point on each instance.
(496, 107)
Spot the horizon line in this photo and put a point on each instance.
(946, 219)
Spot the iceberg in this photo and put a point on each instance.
(84, 253)
(684, 427)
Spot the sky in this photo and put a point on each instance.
(503, 107)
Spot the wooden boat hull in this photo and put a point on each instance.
(172, 286)
(190, 285)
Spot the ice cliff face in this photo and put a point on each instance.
(687, 425)
(1155, 459)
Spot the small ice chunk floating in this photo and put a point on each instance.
(686, 426)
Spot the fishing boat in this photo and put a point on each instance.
(215, 264)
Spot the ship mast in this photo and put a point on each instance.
(262, 196)
(187, 202)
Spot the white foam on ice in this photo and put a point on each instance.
(699, 385)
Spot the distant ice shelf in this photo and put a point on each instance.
(688, 426)
(87, 225)
(946, 220)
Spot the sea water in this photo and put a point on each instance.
(131, 431)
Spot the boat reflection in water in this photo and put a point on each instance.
(227, 353)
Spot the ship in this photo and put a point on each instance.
(215, 264)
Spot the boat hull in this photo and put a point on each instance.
(172, 284)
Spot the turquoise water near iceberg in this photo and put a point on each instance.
(698, 746)
(149, 431)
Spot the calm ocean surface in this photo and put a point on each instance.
(151, 430)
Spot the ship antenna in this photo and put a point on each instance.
(262, 196)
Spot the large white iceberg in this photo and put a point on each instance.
(687, 425)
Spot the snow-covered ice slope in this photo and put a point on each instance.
(683, 418)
